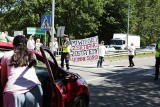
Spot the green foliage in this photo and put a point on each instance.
(20, 14)
(145, 20)
(85, 18)
(80, 17)
(113, 20)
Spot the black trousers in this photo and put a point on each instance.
(157, 67)
(66, 57)
(131, 63)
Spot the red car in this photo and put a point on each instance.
(60, 88)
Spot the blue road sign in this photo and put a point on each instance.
(46, 22)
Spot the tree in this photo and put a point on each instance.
(145, 20)
(20, 14)
(80, 17)
(113, 20)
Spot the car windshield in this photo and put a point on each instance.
(117, 42)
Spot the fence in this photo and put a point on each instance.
(117, 53)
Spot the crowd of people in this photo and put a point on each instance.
(35, 45)
(65, 48)
(30, 94)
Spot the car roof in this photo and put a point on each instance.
(5, 45)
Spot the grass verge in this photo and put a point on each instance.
(115, 58)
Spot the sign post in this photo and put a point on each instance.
(60, 31)
(35, 30)
(46, 22)
(53, 31)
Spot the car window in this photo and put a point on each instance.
(41, 71)
(57, 72)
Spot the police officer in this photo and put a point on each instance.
(157, 59)
(65, 51)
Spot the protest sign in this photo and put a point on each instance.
(84, 49)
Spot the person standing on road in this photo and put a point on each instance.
(65, 55)
(157, 56)
(54, 47)
(102, 50)
(131, 53)
(21, 85)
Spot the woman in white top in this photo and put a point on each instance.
(102, 50)
(21, 85)
(131, 53)
(31, 43)
(38, 45)
(54, 47)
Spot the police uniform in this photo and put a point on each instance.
(65, 54)
(157, 61)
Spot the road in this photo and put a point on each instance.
(117, 85)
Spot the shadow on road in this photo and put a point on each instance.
(136, 89)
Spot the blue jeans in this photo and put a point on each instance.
(33, 98)
(100, 61)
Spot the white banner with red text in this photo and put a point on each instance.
(84, 49)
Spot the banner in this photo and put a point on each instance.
(84, 49)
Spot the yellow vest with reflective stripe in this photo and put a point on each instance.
(158, 53)
(66, 49)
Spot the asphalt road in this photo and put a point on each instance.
(117, 85)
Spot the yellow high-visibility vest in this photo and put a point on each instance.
(66, 49)
(158, 53)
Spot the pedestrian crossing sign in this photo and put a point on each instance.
(45, 22)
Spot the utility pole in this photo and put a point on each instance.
(52, 29)
(128, 20)
(2, 18)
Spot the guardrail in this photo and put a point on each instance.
(117, 53)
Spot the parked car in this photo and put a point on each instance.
(152, 46)
(60, 88)
(149, 48)
(145, 47)
(109, 48)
